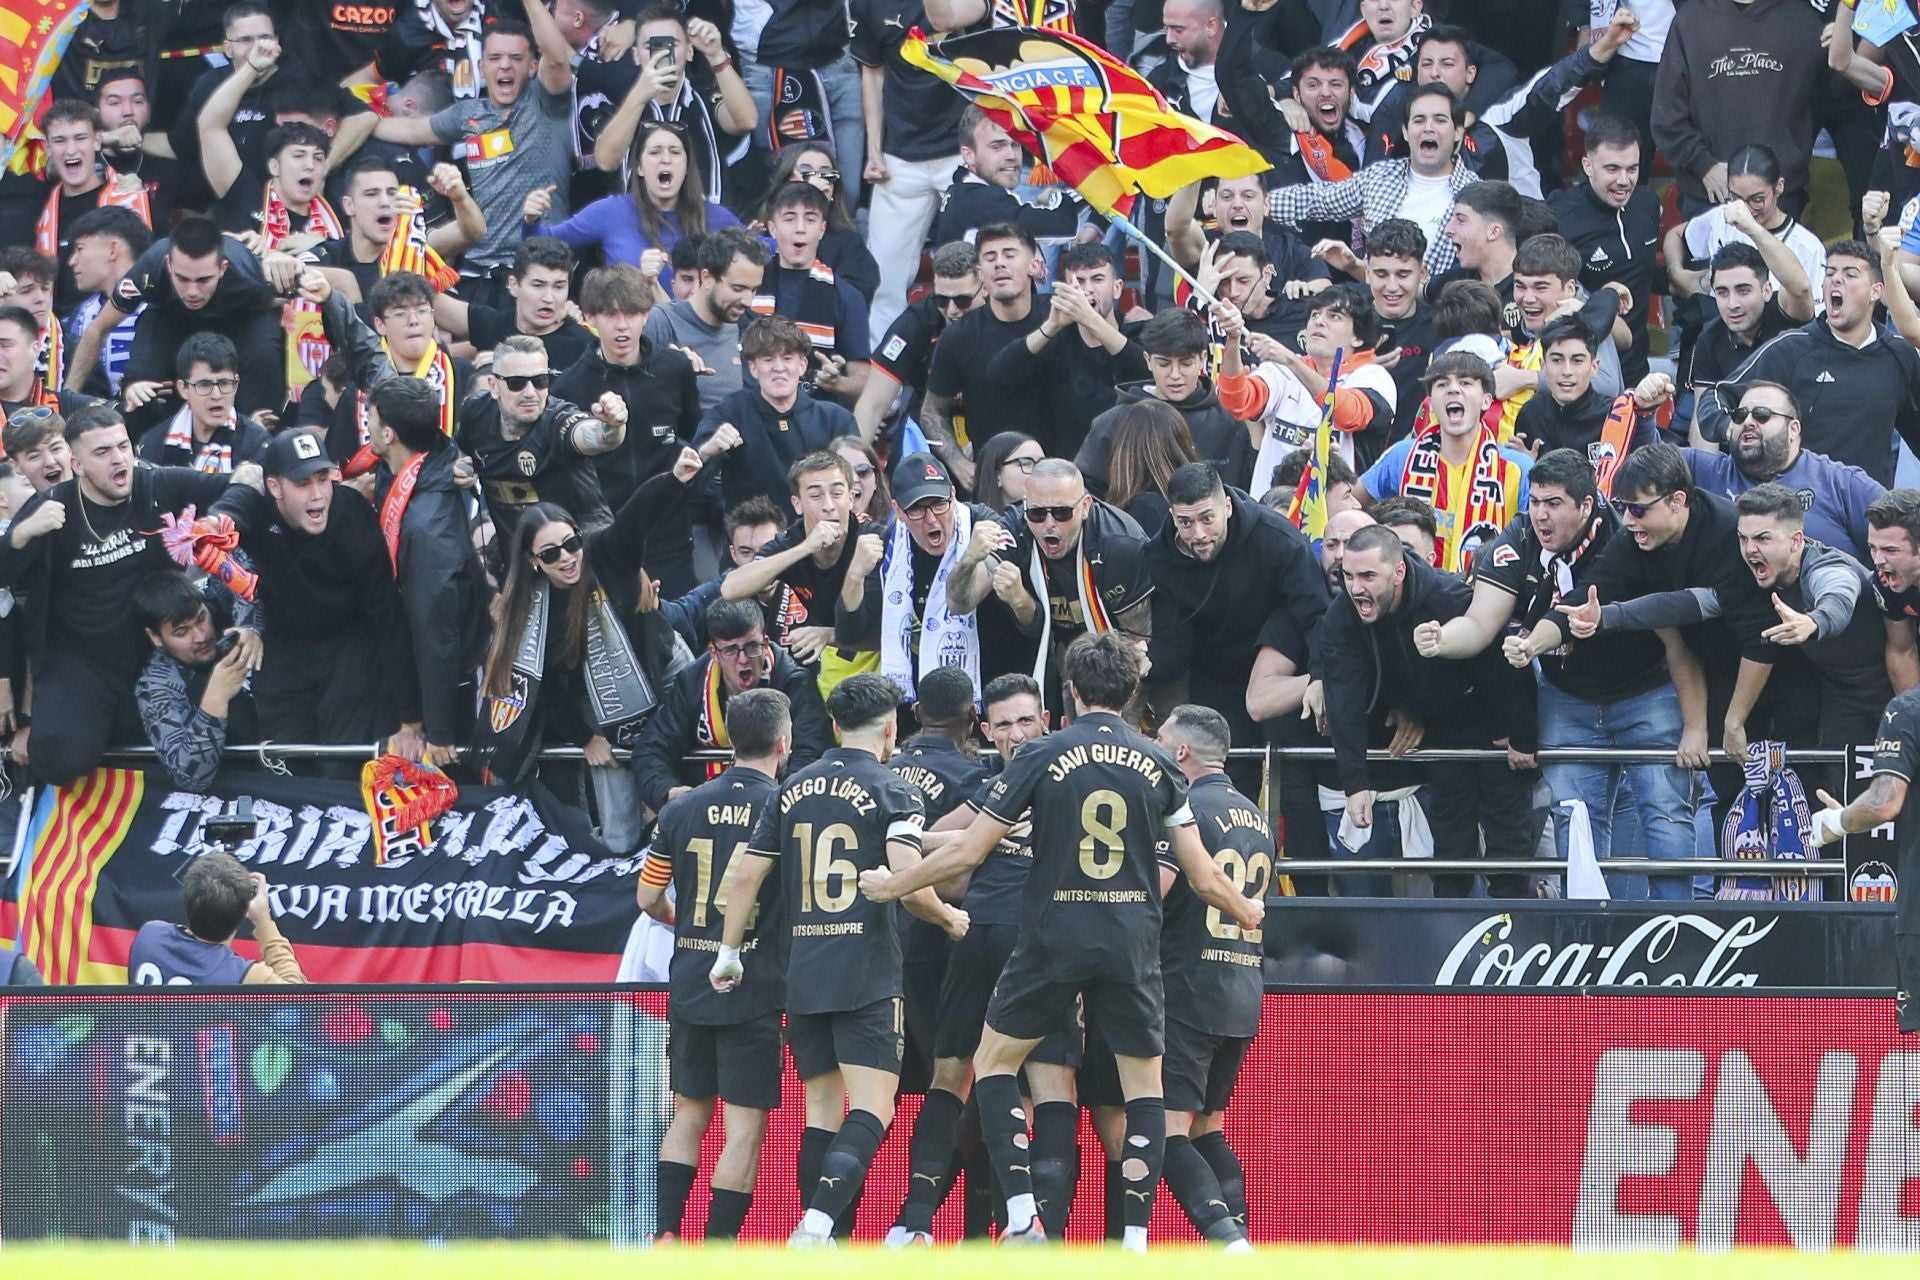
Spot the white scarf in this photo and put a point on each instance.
(1092, 609)
(946, 639)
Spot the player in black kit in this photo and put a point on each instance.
(724, 1045)
(1890, 797)
(846, 814)
(1101, 797)
(1212, 969)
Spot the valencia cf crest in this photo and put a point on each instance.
(527, 463)
(506, 708)
(1874, 882)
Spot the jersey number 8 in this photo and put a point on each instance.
(1102, 849)
(819, 867)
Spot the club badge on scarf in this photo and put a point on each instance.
(1770, 819)
(403, 799)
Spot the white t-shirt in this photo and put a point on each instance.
(1708, 232)
(1292, 415)
(1648, 42)
(1427, 202)
(1203, 91)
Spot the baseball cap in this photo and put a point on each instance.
(919, 476)
(295, 455)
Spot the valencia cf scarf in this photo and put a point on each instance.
(800, 112)
(1481, 516)
(393, 508)
(1616, 435)
(710, 726)
(51, 363)
(403, 799)
(215, 457)
(113, 193)
(1383, 63)
(1769, 820)
(407, 248)
(307, 346)
(1317, 153)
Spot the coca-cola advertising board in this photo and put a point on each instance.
(1451, 943)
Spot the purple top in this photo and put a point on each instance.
(613, 223)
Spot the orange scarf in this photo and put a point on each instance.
(46, 232)
(393, 508)
(1318, 155)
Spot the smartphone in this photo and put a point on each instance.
(225, 645)
(657, 45)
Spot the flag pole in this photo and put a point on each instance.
(1140, 238)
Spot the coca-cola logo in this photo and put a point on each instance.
(1683, 950)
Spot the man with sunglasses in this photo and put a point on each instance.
(691, 716)
(919, 633)
(530, 447)
(1765, 444)
(905, 356)
(206, 433)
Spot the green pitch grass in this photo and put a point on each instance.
(379, 1261)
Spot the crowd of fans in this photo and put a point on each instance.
(563, 373)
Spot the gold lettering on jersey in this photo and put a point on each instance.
(836, 788)
(1220, 955)
(836, 929)
(1238, 818)
(1106, 753)
(926, 781)
(729, 815)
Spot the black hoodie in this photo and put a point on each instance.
(1208, 614)
(1220, 438)
(1370, 669)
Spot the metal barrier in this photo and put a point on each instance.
(1272, 760)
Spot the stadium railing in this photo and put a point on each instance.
(273, 755)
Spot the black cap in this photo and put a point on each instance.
(919, 476)
(295, 455)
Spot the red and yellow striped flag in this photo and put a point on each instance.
(407, 248)
(76, 830)
(1092, 119)
(33, 36)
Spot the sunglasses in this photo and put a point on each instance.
(569, 546)
(1759, 413)
(1638, 510)
(519, 381)
(33, 413)
(806, 171)
(862, 469)
(1059, 515)
(954, 301)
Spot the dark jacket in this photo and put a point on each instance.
(1218, 436)
(247, 439)
(659, 757)
(444, 594)
(1617, 246)
(1852, 399)
(1369, 670)
(546, 464)
(663, 411)
(770, 441)
(1208, 614)
(1575, 426)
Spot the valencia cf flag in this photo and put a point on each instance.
(33, 36)
(1092, 119)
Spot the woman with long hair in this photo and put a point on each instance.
(665, 200)
(1150, 443)
(580, 648)
(843, 248)
(872, 494)
(1002, 467)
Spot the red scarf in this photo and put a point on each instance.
(46, 232)
(393, 509)
(1318, 155)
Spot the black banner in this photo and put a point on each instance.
(1489, 943)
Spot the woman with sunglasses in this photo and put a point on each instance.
(1005, 462)
(843, 248)
(872, 495)
(665, 200)
(580, 647)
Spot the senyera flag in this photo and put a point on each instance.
(33, 36)
(1092, 119)
(1308, 508)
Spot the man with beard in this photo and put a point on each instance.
(331, 610)
(1893, 544)
(443, 591)
(191, 696)
(1083, 562)
(1176, 346)
(1474, 484)
(194, 280)
(529, 447)
(371, 204)
(904, 358)
(1370, 665)
(74, 553)
(125, 114)
(706, 324)
(1766, 447)
(537, 282)
(1856, 382)
(829, 558)
(1749, 315)
(958, 388)
(777, 420)
(981, 194)
(1419, 188)
(692, 712)
(1071, 362)
(1222, 566)
(1322, 142)
(919, 633)
(1613, 691)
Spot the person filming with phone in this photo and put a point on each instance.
(192, 692)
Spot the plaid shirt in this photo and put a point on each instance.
(1373, 195)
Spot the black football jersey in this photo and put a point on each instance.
(1102, 797)
(943, 774)
(1896, 750)
(1211, 966)
(832, 821)
(700, 835)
